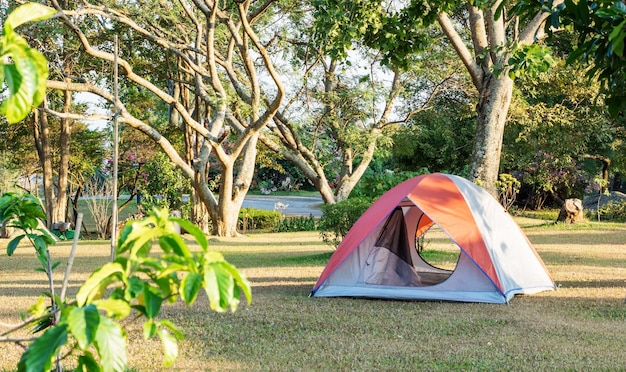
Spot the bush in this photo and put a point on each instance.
(507, 187)
(257, 219)
(299, 223)
(373, 185)
(337, 219)
(615, 212)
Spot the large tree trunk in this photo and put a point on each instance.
(59, 212)
(236, 178)
(492, 38)
(492, 109)
(42, 142)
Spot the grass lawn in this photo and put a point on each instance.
(581, 326)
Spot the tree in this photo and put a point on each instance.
(342, 108)
(493, 42)
(204, 61)
(437, 139)
(600, 27)
(558, 121)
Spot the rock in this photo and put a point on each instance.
(615, 197)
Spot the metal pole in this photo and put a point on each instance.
(115, 152)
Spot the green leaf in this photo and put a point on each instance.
(83, 324)
(137, 237)
(134, 288)
(152, 301)
(118, 309)
(226, 285)
(96, 284)
(190, 286)
(48, 239)
(110, 342)
(40, 244)
(169, 325)
(211, 288)
(29, 12)
(239, 278)
(87, 363)
(40, 354)
(193, 230)
(25, 78)
(617, 39)
(12, 246)
(170, 346)
(174, 243)
(149, 329)
(54, 265)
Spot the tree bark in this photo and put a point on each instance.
(59, 213)
(571, 211)
(492, 109)
(488, 67)
(42, 136)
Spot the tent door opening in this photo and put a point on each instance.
(394, 259)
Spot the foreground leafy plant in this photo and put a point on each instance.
(22, 68)
(136, 280)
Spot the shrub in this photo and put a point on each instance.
(299, 223)
(373, 185)
(257, 219)
(508, 187)
(610, 212)
(337, 219)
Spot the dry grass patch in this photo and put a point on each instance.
(581, 326)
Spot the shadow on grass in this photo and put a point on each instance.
(247, 260)
(292, 290)
(592, 284)
(566, 259)
(249, 243)
(35, 288)
(588, 238)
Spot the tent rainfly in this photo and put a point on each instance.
(378, 257)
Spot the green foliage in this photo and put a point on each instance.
(437, 139)
(374, 184)
(557, 120)
(258, 219)
(615, 212)
(23, 212)
(530, 59)
(547, 175)
(507, 187)
(23, 69)
(163, 182)
(601, 30)
(298, 223)
(137, 279)
(397, 33)
(338, 218)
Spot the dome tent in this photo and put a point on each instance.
(378, 258)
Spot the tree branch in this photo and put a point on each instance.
(474, 70)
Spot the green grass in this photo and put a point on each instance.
(580, 326)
